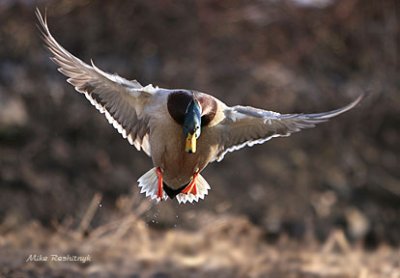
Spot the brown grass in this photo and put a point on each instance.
(221, 246)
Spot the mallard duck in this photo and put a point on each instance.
(181, 130)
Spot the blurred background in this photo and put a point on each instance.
(322, 203)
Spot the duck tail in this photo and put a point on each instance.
(202, 188)
(148, 184)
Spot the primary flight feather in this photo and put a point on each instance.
(181, 130)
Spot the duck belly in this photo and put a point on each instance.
(167, 144)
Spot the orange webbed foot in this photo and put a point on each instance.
(191, 188)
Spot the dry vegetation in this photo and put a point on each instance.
(323, 203)
(219, 246)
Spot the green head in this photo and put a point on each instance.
(192, 125)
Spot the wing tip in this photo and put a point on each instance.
(362, 96)
(350, 105)
(43, 27)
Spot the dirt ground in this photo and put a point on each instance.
(322, 203)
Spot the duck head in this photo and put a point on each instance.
(192, 125)
(193, 111)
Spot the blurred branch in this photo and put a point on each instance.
(90, 212)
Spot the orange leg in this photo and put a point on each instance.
(191, 188)
(160, 183)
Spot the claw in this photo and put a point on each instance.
(160, 183)
(191, 188)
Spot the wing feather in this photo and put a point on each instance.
(122, 101)
(246, 126)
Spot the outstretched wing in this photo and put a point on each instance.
(247, 126)
(122, 101)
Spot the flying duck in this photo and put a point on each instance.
(181, 130)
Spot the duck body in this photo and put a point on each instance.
(169, 154)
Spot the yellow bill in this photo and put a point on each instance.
(191, 141)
